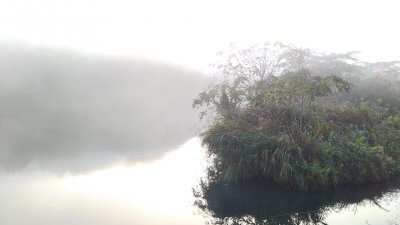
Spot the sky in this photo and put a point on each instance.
(189, 33)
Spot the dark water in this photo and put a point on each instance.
(258, 202)
(169, 191)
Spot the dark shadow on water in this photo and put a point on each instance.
(258, 202)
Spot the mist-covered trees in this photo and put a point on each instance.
(303, 119)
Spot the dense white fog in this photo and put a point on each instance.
(65, 111)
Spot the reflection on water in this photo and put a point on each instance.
(157, 192)
(160, 192)
(257, 202)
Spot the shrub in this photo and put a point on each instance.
(298, 127)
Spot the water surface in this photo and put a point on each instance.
(161, 192)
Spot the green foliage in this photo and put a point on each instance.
(301, 128)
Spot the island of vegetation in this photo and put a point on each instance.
(305, 120)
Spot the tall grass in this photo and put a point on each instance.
(334, 146)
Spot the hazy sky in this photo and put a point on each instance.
(190, 32)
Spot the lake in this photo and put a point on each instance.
(168, 190)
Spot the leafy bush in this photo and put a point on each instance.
(279, 117)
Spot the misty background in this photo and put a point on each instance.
(69, 112)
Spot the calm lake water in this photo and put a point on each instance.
(168, 191)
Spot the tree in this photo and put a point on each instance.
(263, 73)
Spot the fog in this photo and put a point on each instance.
(68, 112)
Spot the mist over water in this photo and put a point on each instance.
(91, 139)
(64, 111)
(97, 125)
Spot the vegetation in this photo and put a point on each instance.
(305, 120)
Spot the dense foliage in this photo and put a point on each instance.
(305, 120)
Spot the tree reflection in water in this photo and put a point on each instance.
(256, 202)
